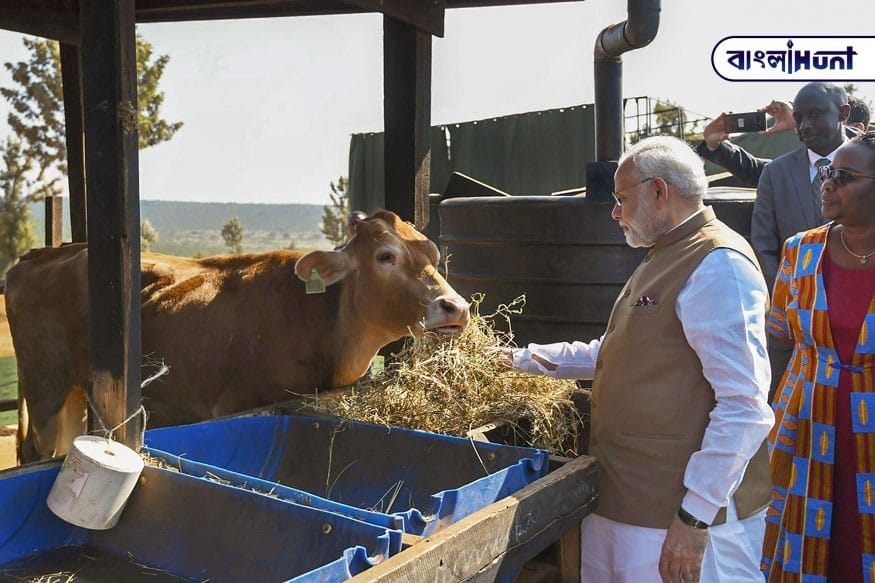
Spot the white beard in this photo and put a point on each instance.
(643, 228)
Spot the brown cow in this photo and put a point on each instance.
(237, 331)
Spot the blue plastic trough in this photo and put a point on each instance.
(178, 527)
(428, 481)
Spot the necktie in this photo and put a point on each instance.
(817, 182)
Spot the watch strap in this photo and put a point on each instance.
(691, 520)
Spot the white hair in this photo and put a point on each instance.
(672, 160)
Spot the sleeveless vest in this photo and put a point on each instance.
(650, 400)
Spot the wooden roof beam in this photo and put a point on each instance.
(425, 15)
(59, 19)
(188, 10)
(53, 19)
(487, 3)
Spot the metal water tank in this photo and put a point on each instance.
(565, 254)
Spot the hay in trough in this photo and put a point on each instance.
(452, 385)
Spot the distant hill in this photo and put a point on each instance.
(189, 228)
(177, 216)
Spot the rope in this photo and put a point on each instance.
(161, 372)
(141, 410)
(108, 433)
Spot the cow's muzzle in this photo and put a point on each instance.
(448, 314)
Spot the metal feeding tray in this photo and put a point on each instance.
(180, 527)
(391, 476)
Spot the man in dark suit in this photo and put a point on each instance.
(788, 196)
(788, 191)
(716, 147)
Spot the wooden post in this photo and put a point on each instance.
(109, 96)
(72, 82)
(54, 221)
(407, 120)
(569, 555)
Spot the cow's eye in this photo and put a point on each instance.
(386, 257)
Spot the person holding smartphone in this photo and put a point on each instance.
(785, 204)
(788, 190)
(716, 147)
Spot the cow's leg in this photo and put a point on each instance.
(52, 435)
(31, 446)
(24, 446)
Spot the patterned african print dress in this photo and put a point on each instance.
(822, 400)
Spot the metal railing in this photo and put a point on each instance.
(648, 116)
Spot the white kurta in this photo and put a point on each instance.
(722, 310)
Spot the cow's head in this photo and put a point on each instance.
(393, 270)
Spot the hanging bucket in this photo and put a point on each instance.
(94, 483)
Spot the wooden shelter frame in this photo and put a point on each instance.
(98, 61)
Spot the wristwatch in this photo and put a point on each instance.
(691, 520)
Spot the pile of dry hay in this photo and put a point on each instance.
(453, 385)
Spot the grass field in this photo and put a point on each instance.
(8, 388)
(8, 372)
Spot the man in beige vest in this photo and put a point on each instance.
(680, 377)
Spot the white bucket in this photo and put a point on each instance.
(95, 482)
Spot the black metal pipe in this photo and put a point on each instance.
(637, 31)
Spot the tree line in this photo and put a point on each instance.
(33, 157)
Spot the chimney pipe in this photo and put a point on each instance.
(637, 31)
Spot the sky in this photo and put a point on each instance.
(269, 105)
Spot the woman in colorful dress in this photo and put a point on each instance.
(821, 524)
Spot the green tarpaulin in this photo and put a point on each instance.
(530, 153)
(538, 152)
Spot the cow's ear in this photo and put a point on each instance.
(331, 265)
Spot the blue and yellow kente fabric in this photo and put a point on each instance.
(802, 452)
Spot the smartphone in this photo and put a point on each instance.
(751, 121)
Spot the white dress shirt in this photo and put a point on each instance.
(722, 310)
